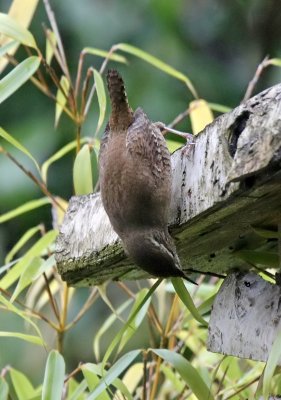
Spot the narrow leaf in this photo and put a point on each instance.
(119, 335)
(104, 54)
(51, 43)
(30, 205)
(173, 145)
(127, 48)
(267, 234)
(219, 107)
(27, 338)
(200, 115)
(275, 61)
(54, 377)
(23, 388)
(59, 154)
(265, 258)
(7, 47)
(187, 300)
(136, 320)
(35, 251)
(5, 135)
(23, 240)
(272, 362)
(4, 389)
(20, 313)
(101, 97)
(82, 172)
(188, 373)
(18, 76)
(115, 371)
(13, 29)
(61, 98)
(27, 275)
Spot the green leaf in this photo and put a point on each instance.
(4, 389)
(173, 145)
(136, 320)
(101, 97)
(5, 135)
(23, 240)
(127, 48)
(259, 257)
(59, 154)
(106, 325)
(18, 76)
(61, 98)
(51, 43)
(104, 54)
(35, 251)
(188, 373)
(27, 275)
(119, 335)
(219, 107)
(272, 362)
(115, 371)
(185, 297)
(9, 27)
(91, 375)
(275, 61)
(23, 388)
(30, 205)
(267, 234)
(27, 338)
(82, 172)
(20, 313)
(76, 391)
(54, 377)
(5, 49)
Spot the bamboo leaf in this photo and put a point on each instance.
(18, 76)
(173, 145)
(9, 138)
(15, 30)
(267, 234)
(101, 97)
(35, 251)
(23, 240)
(265, 258)
(200, 115)
(275, 61)
(219, 107)
(187, 300)
(127, 48)
(119, 335)
(59, 154)
(54, 377)
(82, 172)
(61, 98)
(23, 388)
(30, 205)
(104, 54)
(27, 275)
(188, 373)
(136, 320)
(272, 362)
(20, 313)
(4, 389)
(115, 371)
(7, 48)
(51, 43)
(27, 338)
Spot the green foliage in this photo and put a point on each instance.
(173, 362)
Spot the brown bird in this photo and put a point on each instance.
(135, 183)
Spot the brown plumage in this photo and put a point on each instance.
(135, 182)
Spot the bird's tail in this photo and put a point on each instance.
(121, 113)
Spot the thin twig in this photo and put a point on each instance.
(51, 297)
(261, 67)
(89, 302)
(41, 185)
(144, 389)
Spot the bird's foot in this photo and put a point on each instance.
(164, 129)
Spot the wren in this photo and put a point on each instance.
(135, 184)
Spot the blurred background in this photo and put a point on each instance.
(217, 44)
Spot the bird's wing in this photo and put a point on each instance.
(104, 141)
(146, 144)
